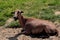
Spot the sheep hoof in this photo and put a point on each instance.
(56, 34)
(25, 32)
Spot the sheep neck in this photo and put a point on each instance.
(21, 20)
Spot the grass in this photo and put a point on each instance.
(43, 9)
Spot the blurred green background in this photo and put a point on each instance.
(42, 9)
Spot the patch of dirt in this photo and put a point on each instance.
(8, 22)
(57, 12)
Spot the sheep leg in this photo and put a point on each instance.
(54, 32)
(26, 31)
(47, 31)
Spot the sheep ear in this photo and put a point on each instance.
(12, 12)
(22, 12)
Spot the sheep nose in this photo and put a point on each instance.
(15, 18)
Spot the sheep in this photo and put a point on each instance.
(35, 26)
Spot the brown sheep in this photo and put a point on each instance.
(35, 26)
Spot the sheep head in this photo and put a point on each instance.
(16, 13)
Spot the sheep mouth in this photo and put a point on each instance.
(15, 18)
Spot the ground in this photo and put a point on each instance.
(14, 34)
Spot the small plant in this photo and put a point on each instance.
(14, 24)
(2, 20)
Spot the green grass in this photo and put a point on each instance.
(43, 9)
(14, 24)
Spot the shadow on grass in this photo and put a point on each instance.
(14, 27)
